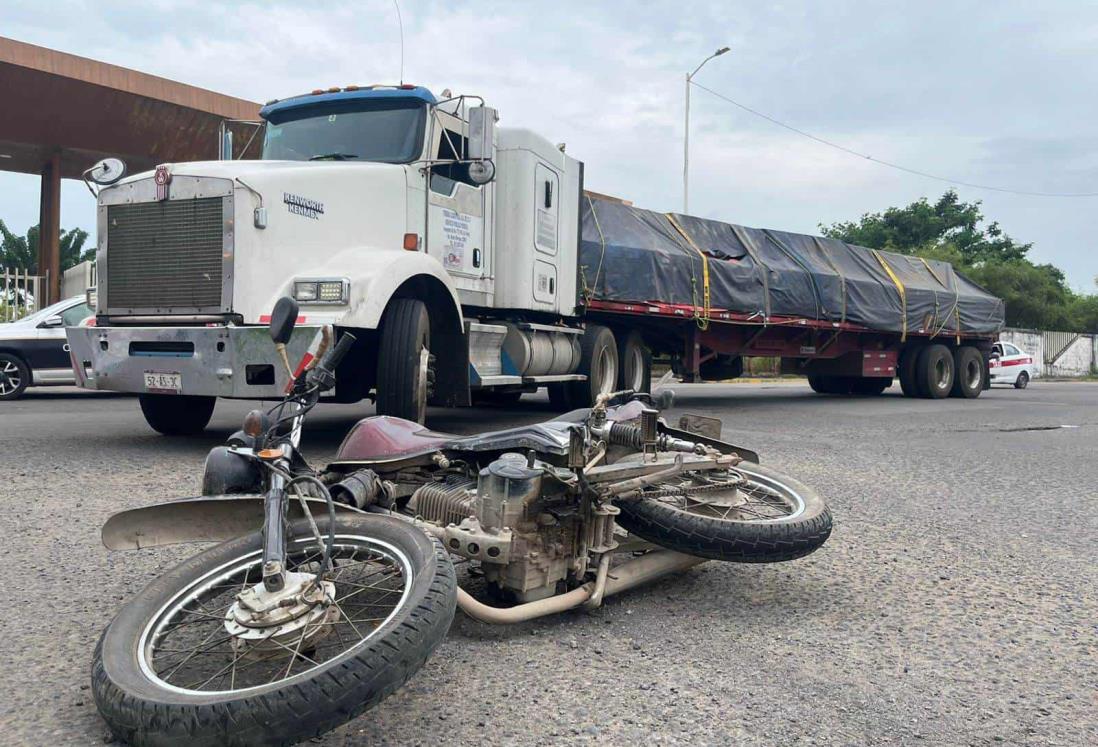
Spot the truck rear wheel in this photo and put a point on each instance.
(599, 363)
(404, 361)
(635, 362)
(177, 414)
(909, 359)
(934, 372)
(968, 373)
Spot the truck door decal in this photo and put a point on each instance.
(455, 232)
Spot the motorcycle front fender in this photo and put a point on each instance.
(210, 518)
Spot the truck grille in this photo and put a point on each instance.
(165, 255)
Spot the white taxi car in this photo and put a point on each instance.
(1009, 365)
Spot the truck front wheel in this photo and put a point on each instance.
(404, 376)
(177, 414)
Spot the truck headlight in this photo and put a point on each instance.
(305, 290)
(322, 291)
(331, 291)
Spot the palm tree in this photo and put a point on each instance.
(22, 251)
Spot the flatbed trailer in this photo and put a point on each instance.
(837, 357)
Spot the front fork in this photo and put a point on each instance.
(275, 508)
(274, 535)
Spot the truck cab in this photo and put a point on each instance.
(445, 244)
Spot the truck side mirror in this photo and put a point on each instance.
(283, 319)
(482, 137)
(482, 132)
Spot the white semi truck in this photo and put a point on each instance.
(451, 250)
(446, 245)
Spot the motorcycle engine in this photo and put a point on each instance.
(521, 523)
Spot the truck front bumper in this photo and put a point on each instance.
(222, 361)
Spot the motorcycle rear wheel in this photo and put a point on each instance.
(167, 672)
(771, 517)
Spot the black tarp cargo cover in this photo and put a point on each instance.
(632, 255)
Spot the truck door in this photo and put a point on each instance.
(457, 213)
(547, 211)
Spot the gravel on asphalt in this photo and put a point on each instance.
(956, 602)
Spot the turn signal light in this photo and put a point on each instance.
(411, 242)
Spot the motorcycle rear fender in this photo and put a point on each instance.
(211, 518)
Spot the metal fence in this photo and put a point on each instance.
(20, 293)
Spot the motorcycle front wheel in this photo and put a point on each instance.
(175, 668)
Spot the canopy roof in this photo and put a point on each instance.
(84, 110)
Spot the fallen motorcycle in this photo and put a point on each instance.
(281, 634)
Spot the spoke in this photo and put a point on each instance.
(349, 621)
(194, 653)
(297, 648)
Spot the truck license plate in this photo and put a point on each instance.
(163, 382)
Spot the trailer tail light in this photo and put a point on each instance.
(411, 242)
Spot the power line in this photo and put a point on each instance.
(897, 166)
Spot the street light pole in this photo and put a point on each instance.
(686, 133)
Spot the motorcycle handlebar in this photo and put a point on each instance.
(331, 359)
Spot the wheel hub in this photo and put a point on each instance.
(259, 615)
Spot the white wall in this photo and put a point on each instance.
(1078, 360)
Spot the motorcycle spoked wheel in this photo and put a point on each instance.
(167, 672)
(765, 518)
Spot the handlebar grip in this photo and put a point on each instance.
(332, 358)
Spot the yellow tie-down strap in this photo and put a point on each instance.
(899, 288)
(701, 318)
(956, 299)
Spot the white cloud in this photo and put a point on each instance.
(953, 89)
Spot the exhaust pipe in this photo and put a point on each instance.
(626, 576)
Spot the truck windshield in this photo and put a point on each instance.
(388, 130)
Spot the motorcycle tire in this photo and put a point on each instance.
(143, 706)
(732, 537)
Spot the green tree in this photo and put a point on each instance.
(22, 251)
(1036, 295)
(921, 226)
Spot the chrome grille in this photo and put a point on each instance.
(166, 255)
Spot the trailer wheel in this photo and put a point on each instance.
(635, 362)
(404, 374)
(870, 386)
(599, 363)
(177, 414)
(968, 373)
(824, 384)
(934, 372)
(909, 359)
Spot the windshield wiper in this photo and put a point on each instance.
(333, 157)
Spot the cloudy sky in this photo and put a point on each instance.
(999, 93)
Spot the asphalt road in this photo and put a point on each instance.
(956, 602)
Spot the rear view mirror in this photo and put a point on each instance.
(283, 319)
(482, 129)
(54, 321)
(482, 135)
